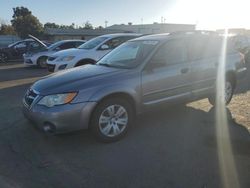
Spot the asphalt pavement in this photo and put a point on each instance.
(172, 147)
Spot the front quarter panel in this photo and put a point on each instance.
(128, 84)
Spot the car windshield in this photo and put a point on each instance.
(129, 54)
(92, 43)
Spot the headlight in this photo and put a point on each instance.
(57, 99)
(66, 58)
(61, 67)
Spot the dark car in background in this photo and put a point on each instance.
(16, 50)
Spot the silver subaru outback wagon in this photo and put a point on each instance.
(144, 72)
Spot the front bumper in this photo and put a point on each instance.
(55, 66)
(28, 61)
(63, 118)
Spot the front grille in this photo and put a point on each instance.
(51, 68)
(29, 97)
(51, 58)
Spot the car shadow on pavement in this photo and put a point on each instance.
(21, 72)
(170, 147)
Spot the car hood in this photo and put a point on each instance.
(37, 40)
(74, 79)
(71, 52)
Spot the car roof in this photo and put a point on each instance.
(72, 40)
(121, 35)
(161, 36)
(178, 34)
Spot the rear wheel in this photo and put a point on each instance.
(3, 58)
(229, 90)
(42, 62)
(111, 119)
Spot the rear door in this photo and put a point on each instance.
(167, 76)
(203, 53)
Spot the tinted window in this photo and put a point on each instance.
(172, 52)
(21, 45)
(77, 44)
(35, 46)
(93, 43)
(67, 45)
(113, 43)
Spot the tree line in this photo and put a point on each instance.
(23, 23)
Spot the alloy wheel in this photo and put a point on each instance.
(113, 120)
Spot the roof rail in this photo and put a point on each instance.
(192, 32)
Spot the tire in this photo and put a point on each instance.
(229, 90)
(3, 58)
(41, 62)
(84, 62)
(111, 119)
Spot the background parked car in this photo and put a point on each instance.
(88, 53)
(16, 50)
(36, 56)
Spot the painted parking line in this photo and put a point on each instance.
(13, 83)
(11, 66)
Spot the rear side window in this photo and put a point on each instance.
(113, 43)
(67, 45)
(77, 44)
(197, 47)
(172, 52)
(207, 47)
(213, 47)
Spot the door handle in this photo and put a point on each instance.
(184, 70)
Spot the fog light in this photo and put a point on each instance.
(49, 128)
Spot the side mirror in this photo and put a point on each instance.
(104, 47)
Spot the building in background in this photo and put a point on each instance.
(54, 34)
(84, 34)
(6, 40)
(236, 31)
(155, 28)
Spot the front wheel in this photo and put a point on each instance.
(42, 62)
(111, 119)
(228, 93)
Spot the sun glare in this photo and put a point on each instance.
(226, 160)
(212, 14)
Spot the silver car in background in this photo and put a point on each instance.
(142, 73)
(38, 56)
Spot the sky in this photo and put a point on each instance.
(206, 14)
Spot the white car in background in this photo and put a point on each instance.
(88, 53)
(38, 56)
